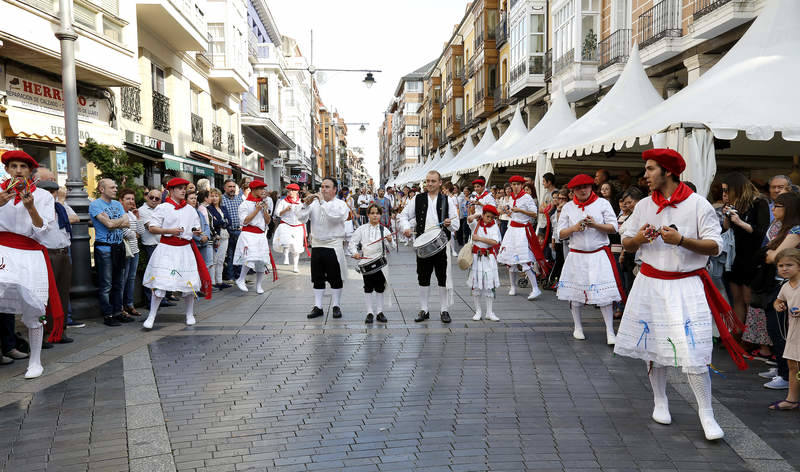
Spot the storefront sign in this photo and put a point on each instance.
(218, 169)
(184, 166)
(148, 142)
(40, 96)
(277, 162)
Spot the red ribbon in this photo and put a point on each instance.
(205, 278)
(18, 188)
(680, 194)
(533, 243)
(177, 205)
(617, 278)
(305, 236)
(517, 197)
(257, 230)
(724, 317)
(582, 205)
(54, 307)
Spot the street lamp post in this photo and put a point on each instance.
(82, 295)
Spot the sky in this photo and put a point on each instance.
(396, 37)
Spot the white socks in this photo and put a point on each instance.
(443, 298)
(486, 294)
(512, 277)
(189, 299)
(368, 298)
(259, 279)
(424, 293)
(477, 300)
(575, 308)
(285, 256)
(701, 386)
(379, 298)
(296, 260)
(608, 318)
(658, 381)
(337, 296)
(318, 293)
(155, 302)
(240, 282)
(35, 338)
(535, 291)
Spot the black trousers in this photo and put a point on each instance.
(437, 263)
(7, 336)
(325, 268)
(374, 282)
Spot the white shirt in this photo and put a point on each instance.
(408, 218)
(589, 239)
(364, 200)
(327, 218)
(694, 217)
(15, 218)
(148, 238)
(165, 216)
(492, 232)
(290, 217)
(390, 197)
(366, 234)
(525, 202)
(485, 198)
(53, 237)
(247, 207)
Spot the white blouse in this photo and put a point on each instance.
(165, 216)
(247, 207)
(525, 202)
(15, 218)
(290, 217)
(589, 239)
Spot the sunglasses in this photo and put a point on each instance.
(156, 199)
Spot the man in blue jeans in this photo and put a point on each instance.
(108, 218)
(231, 201)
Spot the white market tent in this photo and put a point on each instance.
(465, 150)
(514, 133)
(483, 145)
(753, 88)
(408, 176)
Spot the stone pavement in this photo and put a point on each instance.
(257, 386)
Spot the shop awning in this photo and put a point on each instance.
(183, 164)
(464, 151)
(220, 167)
(514, 133)
(483, 145)
(38, 126)
(248, 172)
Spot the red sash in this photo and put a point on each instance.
(205, 278)
(257, 230)
(484, 251)
(305, 236)
(533, 243)
(617, 278)
(54, 307)
(723, 314)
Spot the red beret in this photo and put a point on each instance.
(479, 181)
(670, 160)
(19, 156)
(580, 179)
(292, 187)
(177, 181)
(516, 178)
(257, 184)
(490, 209)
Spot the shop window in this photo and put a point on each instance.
(263, 95)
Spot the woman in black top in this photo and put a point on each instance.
(748, 215)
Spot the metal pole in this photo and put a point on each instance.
(83, 295)
(311, 113)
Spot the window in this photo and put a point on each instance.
(620, 15)
(590, 27)
(157, 78)
(216, 32)
(412, 152)
(411, 108)
(85, 17)
(414, 86)
(537, 40)
(263, 95)
(195, 100)
(112, 30)
(564, 30)
(412, 131)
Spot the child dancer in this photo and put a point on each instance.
(366, 243)
(483, 277)
(788, 299)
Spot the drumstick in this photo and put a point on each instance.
(381, 239)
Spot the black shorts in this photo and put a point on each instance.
(325, 268)
(437, 263)
(374, 282)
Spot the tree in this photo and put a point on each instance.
(111, 162)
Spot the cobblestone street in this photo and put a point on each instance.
(256, 386)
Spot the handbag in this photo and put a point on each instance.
(465, 255)
(128, 252)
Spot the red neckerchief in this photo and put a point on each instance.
(582, 205)
(177, 206)
(485, 192)
(293, 202)
(483, 225)
(517, 197)
(251, 198)
(17, 192)
(680, 194)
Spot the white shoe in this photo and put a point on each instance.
(661, 414)
(190, 321)
(578, 334)
(286, 261)
(455, 254)
(477, 316)
(512, 291)
(777, 383)
(611, 339)
(295, 270)
(535, 292)
(34, 371)
(492, 317)
(710, 426)
(770, 374)
(259, 289)
(241, 285)
(149, 322)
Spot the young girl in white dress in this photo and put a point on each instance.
(366, 244)
(483, 277)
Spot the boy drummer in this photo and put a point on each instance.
(368, 242)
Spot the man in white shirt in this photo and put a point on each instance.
(429, 211)
(327, 214)
(363, 203)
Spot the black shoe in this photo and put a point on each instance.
(110, 321)
(172, 298)
(65, 340)
(446, 317)
(223, 286)
(46, 345)
(422, 316)
(381, 317)
(165, 303)
(316, 312)
(123, 318)
(369, 318)
(337, 312)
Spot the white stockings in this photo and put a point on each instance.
(608, 318)
(658, 381)
(35, 338)
(424, 293)
(575, 308)
(318, 293)
(379, 302)
(155, 302)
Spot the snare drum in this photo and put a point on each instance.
(430, 243)
(372, 266)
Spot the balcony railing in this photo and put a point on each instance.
(535, 65)
(216, 137)
(548, 65)
(460, 75)
(197, 129)
(160, 112)
(661, 21)
(615, 48)
(131, 104)
(564, 61)
(480, 94)
(500, 95)
(704, 7)
(500, 31)
(231, 144)
(469, 116)
(471, 66)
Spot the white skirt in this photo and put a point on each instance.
(252, 250)
(589, 279)
(515, 249)
(172, 269)
(23, 284)
(671, 310)
(288, 237)
(483, 275)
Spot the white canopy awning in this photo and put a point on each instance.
(629, 98)
(515, 132)
(483, 145)
(466, 149)
(753, 88)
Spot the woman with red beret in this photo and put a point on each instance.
(252, 248)
(290, 237)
